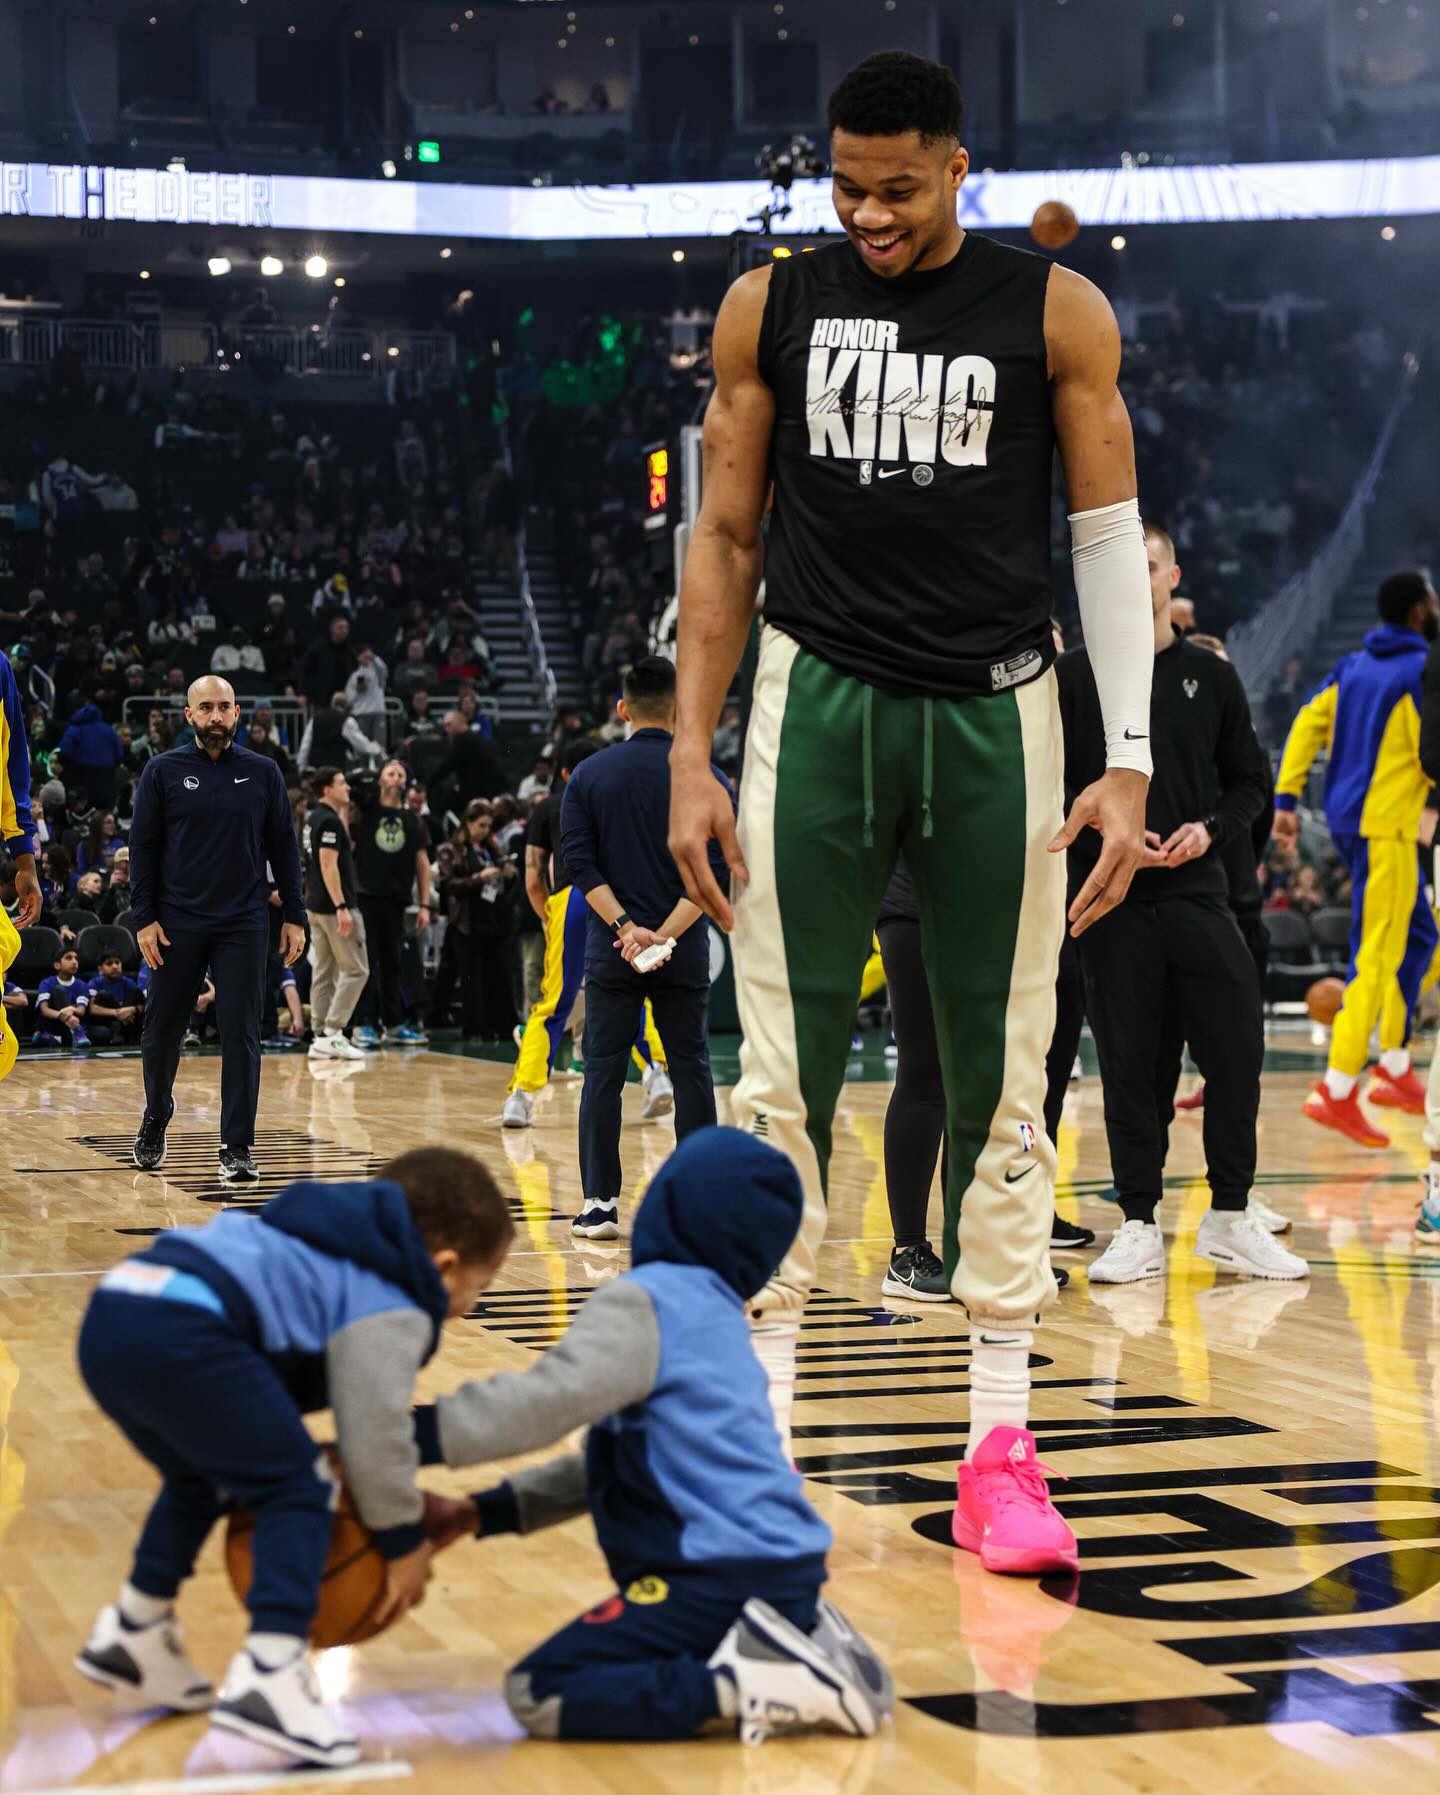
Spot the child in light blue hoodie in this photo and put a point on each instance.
(207, 1350)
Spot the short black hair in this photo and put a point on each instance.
(578, 750)
(110, 953)
(894, 91)
(455, 1201)
(323, 778)
(650, 684)
(1400, 593)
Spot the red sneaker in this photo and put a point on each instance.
(1344, 1115)
(1196, 1100)
(1405, 1092)
(1003, 1509)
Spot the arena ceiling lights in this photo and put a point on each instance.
(1222, 193)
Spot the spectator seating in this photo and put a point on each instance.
(1331, 929)
(1296, 958)
(39, 950)
(105, 938)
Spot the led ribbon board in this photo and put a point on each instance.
(1208, 194)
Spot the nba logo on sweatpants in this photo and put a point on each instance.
(1027, 1138)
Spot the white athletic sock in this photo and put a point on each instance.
(1395, 1061)
(774, 1343)
(140, 1610)
(1340, 1084)
(271, 1650)
(999, 1382)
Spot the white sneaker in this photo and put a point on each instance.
(600, 1221)
(1242, 1244)
(659, 1094)
(146, 1663)
(282, 1708)
(343, 1049)
(1136, 1250)
(321, 1047)
(775, 1679)
(519, 1110)
(1268, 1218)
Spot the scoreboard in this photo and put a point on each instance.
(657, 486)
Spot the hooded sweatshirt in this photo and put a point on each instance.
(332, 1284)
(89, 741)
(682, 1470)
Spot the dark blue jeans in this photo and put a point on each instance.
(613, 1011)
(236, 959)
(211, 1414)
(636, 1666)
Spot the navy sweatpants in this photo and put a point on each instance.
(614, 1014)
(636, 1666)
(237, 965)
(211, 1414)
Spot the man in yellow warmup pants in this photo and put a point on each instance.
(19, 839)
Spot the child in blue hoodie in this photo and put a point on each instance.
(718, 1557)
(207, 1350)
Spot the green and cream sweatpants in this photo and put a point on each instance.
(839, 779)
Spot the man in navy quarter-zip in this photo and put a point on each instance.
(208, 817)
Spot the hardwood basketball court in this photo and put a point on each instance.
(1252, 1470)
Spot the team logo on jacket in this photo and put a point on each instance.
(191, 783)
(646, 1592)
(1192, 686)
(867, 400)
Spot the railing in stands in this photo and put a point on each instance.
(290, 714)
(1293, 621)
(120, 346)
(545, 685)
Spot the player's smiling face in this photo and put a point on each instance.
(895, 197)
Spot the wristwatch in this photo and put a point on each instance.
(620, 921)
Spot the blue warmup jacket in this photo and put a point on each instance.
(683, 1470)
(334, 1286)
(200, 838)
(16, 828)
(614, 830)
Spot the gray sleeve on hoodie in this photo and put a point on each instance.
(545, 1495)
(608, 1358)
(371, 1367)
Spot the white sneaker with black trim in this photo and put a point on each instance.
(1136, 1250)
(772, 1678)
(601, 1221)
(1235, 1240)
(147, 1664)
(282, 1708)
(659, 1094)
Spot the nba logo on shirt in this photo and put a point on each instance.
(1027, 1138)
(865, 472)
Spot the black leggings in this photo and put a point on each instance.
(915, 1119)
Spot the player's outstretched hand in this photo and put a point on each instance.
(150, 940)
(27, 891)
(447, 1519)
(701, 812)
(1114, 806)
(405, 1580)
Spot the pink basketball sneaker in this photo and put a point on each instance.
(1003, 1509)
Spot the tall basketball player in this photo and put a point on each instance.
(906, 390)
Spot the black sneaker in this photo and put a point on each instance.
(1066, 1234)
(237, 1167)
(148, 1151)
(917, 1275)
(1062, 1277)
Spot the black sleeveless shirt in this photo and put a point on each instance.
(909, 544)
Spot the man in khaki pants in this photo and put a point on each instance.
(339, 964)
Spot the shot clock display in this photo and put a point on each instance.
(657, 485)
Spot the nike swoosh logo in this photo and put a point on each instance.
(1130, 736)
(244, 781)
(889, 473)
(1015, 1177)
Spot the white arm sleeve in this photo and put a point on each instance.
(1112, 582)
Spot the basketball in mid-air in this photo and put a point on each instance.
(1054, 224)
(1324, 999)
(352, 1588)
